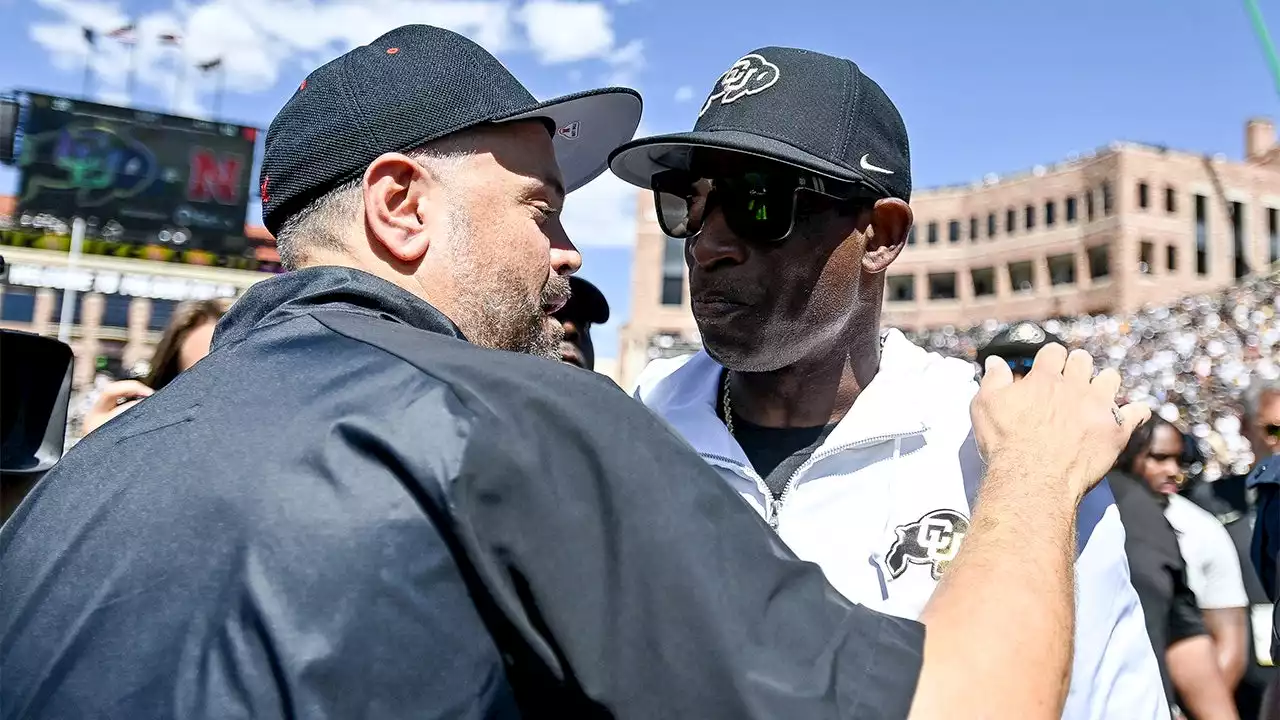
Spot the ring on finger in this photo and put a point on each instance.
(1115, 413)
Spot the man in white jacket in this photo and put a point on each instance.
(854, 444)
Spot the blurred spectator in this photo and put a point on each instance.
(1141, 481)
(184, 343)
(586, 307)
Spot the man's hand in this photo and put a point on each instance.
(1059, 420)
(114, 399)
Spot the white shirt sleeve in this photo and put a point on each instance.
(1213, 565)
(1219, 583)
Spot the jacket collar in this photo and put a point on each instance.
(889, 407)
(303, 291)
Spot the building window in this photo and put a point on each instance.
(1030, 216)
(77, 307)
(973, 229)
(1099, 262)
(1062, 270)
(1108, 203)
(953, 231)
(911, 235)
(1144, 195)
(1088, 206)
(1146, 255)
(18, 304)
(161, 311)
(902, 288)
(115, 310)
(1022, 276)
(991, 225)
(1171, 257)
(1239, 237)
(984, 281)
(1170, 200)
(1010, 219)
(1273, 235)
(1050, 210)
(1071, 209)
(1202, 235)
(942, 286)
(673, 271)
(933, 233)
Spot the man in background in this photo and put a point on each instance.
(792, 195)
(586, 307)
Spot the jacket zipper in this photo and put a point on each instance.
(773, 505)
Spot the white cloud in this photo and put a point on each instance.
(684, 94)
(265, 42)
(562, 31)
(602, 213)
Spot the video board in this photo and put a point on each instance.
(136, 176)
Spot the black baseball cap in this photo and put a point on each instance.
(1020, 340)
(797, 107)
(586, 303)
(416, 84)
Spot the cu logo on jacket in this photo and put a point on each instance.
(748, 76)
(932, 540)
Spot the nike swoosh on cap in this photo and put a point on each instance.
(868, 166)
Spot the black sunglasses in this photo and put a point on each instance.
(757, 206)
(1021, 366)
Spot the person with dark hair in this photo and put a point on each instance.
(586, 307)
(792, 196)
(185, 342)
(1147, 474)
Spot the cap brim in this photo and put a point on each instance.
(586, 302)
(589, 125)
(638, 161)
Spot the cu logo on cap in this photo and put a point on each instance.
(750, 75)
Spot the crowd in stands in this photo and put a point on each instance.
(1190, 360)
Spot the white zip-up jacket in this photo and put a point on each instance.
(884, 502)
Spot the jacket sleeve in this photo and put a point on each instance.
(616, 566)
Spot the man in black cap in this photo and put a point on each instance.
(855, 445)
(357, 506)
(586, 307)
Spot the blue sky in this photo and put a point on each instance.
(993, 86)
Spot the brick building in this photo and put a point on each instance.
(1109, 232)
(121, 306)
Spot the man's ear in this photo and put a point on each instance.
(891, 221)
(399, 196)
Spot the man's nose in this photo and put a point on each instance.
(717, 245)
(565, 258)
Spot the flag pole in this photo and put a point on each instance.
(133, 71)
(222, 84)
(177, 84)
(91, 40)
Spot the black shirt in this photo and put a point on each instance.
(1156, 569)
(776, 453)
(347, 511)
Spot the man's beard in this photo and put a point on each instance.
(500, 314)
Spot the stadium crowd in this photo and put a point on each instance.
(1191, 360)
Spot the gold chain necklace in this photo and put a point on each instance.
(728, 409)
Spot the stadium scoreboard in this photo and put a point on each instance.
(135, 176)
